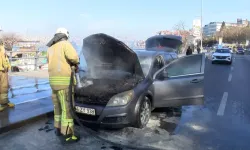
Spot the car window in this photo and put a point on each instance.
(168, 58)
(222, 51)
(186, 65)
(145, 63)
(157, 65)
(174, 56)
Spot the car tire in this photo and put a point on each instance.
(143, 113)
(212, 62)
(230, 63)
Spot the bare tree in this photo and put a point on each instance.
(180, 28)
(10, 39)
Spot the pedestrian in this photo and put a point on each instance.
(4, 81)
(198, 50)
(189, 51)
(61, 56)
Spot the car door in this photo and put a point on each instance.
(180, 83)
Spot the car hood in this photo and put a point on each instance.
(103, 52)
(221, 54)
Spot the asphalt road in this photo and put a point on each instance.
(223, 123)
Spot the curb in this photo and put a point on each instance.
(24, 122)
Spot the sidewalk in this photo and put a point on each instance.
(22, 114)
(31, 93)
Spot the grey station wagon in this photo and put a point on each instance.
(121, 86)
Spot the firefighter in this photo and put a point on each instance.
(61, 57)
(4, 81)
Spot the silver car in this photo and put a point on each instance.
(123, 86)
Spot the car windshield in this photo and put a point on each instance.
(222, 51)
(145, 63)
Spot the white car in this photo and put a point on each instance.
(222, 55)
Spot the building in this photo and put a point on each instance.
(26, 45)
(213, 27)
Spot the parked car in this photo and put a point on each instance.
(222, 55)
(121, 86)
(240, 50)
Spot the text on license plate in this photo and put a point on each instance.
(84, 110)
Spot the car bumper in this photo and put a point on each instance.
(115, 117)
(222, 60)
(240, 52)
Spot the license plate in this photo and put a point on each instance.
(83, 110)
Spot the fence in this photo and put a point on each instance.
(29, 58)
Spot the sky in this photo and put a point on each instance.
(131, 19)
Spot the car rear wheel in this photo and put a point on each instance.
(144, 113)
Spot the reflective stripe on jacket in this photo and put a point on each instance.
(60, 58)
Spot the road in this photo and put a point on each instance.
(221, 124)
(224, 122)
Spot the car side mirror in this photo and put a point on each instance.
(161, 76)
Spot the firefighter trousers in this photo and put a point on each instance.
(62, 116)
(4, 87)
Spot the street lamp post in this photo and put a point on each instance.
(201, 26)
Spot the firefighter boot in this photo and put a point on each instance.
(68, 139)
(10, 105)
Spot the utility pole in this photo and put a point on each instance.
(201, 26)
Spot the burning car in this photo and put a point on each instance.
(121, 86)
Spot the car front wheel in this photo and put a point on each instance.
(144, 113)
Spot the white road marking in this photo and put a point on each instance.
(33, 100)
(222, 104)
(230, 77)
(232, 68)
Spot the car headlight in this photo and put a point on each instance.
(121, 98)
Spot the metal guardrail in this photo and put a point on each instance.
(36, 58)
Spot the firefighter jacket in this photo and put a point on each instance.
(61, 56)
(4, 61)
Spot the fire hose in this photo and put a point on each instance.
(75, 75)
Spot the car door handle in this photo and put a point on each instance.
(195, 81)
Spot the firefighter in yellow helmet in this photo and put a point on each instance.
(4, 81)
(61, 56)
